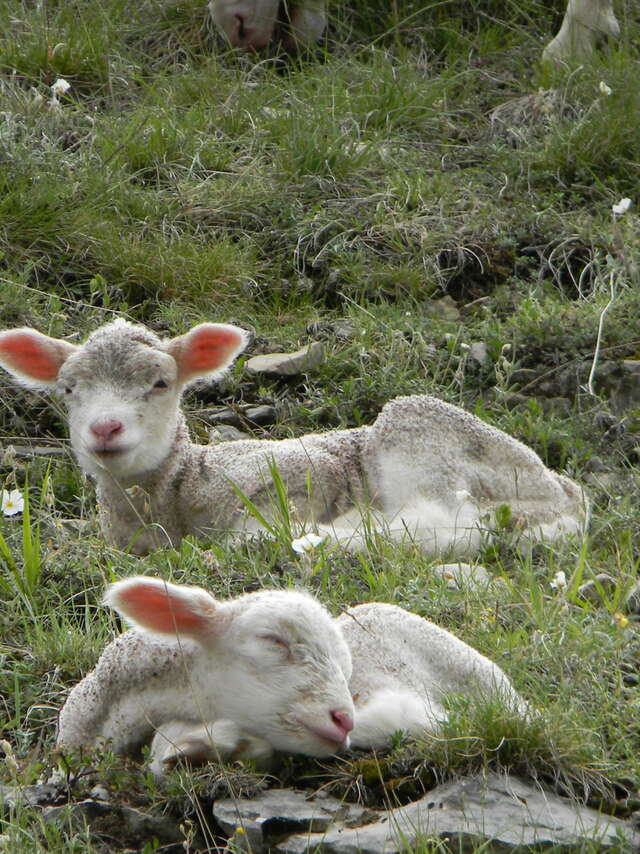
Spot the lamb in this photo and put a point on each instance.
(425, 469)
(253, 24)
(269, 671)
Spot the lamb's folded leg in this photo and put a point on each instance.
(197, 744)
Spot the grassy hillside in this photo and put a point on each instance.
(364, 196)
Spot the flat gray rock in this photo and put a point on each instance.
(287, 364)
(499, 812)
(278, 813)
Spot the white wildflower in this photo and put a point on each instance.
(60, 87)
(307, 543)
(12, 502)
(621, 207)
(559, 581)
(604, 89)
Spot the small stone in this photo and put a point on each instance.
(460, 576)
(523, 376)
(445, 307)
(343, 330)
(476, 306)
(287, 364)
(596, 464)
(512, 400)
(226, 433)
(478, 352)
(260, 415)
(278, 812)
(632, 600)
(597, 589)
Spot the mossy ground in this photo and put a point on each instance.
(177, 182)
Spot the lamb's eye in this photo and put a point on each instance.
(159, 385)
(278, 642)
(68, 389)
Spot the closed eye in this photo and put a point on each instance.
(278, 642)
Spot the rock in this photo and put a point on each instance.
(130, 827)
(33, 796)
(461, 576)
(226, 433)
(287, 364)
(632, 600)
(619, 382)
(278, 813)
(260, 415)
(523, 376)
(342, 330)
(445, 308)
(495, 811)
(597, 589)
(478, 352)
(226, 415)
(476, 306)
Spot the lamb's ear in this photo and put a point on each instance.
(207, 349)
(168, 609)
(33, 358)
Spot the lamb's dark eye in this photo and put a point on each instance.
(160, 384)
(68, 389)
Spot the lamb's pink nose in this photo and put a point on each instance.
(343, 720)
(106, 429)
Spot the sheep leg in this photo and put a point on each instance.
(388, 711)
(197, 744)
(583, 23)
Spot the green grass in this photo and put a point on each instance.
(177, 182)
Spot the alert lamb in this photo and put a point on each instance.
(424, 469)
(268, 671)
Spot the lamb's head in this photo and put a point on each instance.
(253, 24)
(273, 662)
(121, 387)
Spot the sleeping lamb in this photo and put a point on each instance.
(269, 671)
(424, 469)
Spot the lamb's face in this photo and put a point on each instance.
(290, 676)
(122, 402)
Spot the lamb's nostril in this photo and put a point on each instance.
(106, 429)
(342, 720)
(241, 27)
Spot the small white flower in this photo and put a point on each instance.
(604, 89)
(12, 502)
(305, 544)
(60, 87)
(622, 207)
(559, 581)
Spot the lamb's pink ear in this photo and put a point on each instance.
(33, 358)
(207, 349)
(168, 609)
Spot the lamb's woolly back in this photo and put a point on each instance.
(401, 657)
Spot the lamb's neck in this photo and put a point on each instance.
(154, 479)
